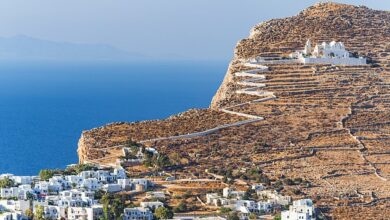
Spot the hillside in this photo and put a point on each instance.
(328, 125)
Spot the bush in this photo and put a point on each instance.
(224, 210)
(46, 174)
(233, 216)
(278, 217)
(163, 213)
(289, 182)
(182, 207)
(6, 183)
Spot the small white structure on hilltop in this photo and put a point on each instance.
(300, 210)
(332, 53)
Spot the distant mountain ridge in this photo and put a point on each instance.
(23, 47)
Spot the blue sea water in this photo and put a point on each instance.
(44, 106)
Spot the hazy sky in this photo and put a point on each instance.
(194, 29)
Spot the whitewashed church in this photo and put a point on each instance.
(332, 53)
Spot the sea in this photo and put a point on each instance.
(44, 106)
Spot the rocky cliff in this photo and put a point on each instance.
(328, 125)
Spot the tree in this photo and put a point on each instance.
(112, 207)
(277, 217)
(29, 213)
(163, 213)
(6, 183)
(39, 213)
(99, 194)
(253, 216)
(46, 174)
(117, 207)
(162, 161)
(105, 200)
(233, 216)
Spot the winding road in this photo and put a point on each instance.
(252, 86)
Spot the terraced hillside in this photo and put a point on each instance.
(328, 125)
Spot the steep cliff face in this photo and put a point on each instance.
(359, 28)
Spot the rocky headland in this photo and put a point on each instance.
(328, 125)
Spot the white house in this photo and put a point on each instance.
(228, 192)
(24, 190)
(74, 180)
(125, 184)
(265, 207)
(87, 174)
(143, 183)
(9, 192)
(245, 206)
(22, 179)
(300, 210)
(120, 173)
(12, 216)
(12, 205)
(216, 200)
(75, 198)
(42, 187)
(90, 184)
(85, 213)
(54, 212)
(104, 176)
(137, 213)
(274, 197)
(112, 188)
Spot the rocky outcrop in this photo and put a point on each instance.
(357, 26)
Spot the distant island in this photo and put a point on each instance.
(28, 48)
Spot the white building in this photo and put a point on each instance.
(12, 216)
(75, 198)
(142, 183)
(264, 207)
(54, 212)
(120, 173)
(24, 191)
(274, 197)
(42, 187)
(9, 192)
(228, 192)
(22, 179)
(85, 213)
(216, 200)
(90, 184)
(112, 188)
(137, 214)
(12, 205)
(300, 210)
(74, 180)
(125, 184)
(332, 53)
